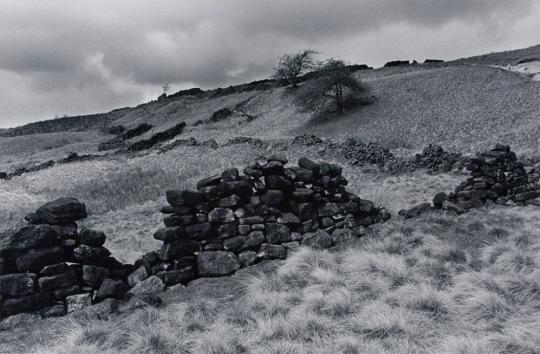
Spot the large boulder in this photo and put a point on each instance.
(55, 310)
(248, 258)
(102, 310)
(415, 211)
(199, 231)
(318, 239)
(137, 276)
(110, 288)
(209, 181)
(93, 276)
(175, 276)
(439, 199)
(217, 263)
(54, 269)
(151, 285)
(172, 233)
(309, 165)
(15, 285)
(273, 197)
(35, 259)
(58, 281)
(31, 236)
(184, 198)
(178, 220)
(277, 233)
(178, 248)
(278, 183)
(62, 211)
(139, 301)
(241, 188)
(268, 251)
(221, 215)
(78, 301)
(26, 303)
(90, 254)
(92, 237)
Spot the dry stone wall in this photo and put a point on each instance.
(231, 221)
(50, 267)
(234, 220)
(496, 176)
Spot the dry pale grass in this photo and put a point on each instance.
(420, 286)
(29, 150)
(463, 108)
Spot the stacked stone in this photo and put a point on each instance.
(235, 220)
(47, 266)
(496, 175)
(358, 152)
(435, 159)
(307, 140)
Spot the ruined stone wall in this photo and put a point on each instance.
(48, 266)
(234, 220)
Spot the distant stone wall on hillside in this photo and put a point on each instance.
(75, 123)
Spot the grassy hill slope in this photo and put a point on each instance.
(509, 57)
(457, 106)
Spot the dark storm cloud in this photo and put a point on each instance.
(74, 56)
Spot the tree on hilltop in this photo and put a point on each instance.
(292, 66)
(333, 81)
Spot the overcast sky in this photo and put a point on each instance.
(76, 57)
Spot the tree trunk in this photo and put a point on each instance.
(339, 98)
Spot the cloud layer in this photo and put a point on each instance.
(73, 57)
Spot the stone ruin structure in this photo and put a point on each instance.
(232, 220)
(50, 267)
(235, 220)
(433, 157)
(496, 176)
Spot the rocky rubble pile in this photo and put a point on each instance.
(48, 266)
(259, 143)
(307, 140)
(191, 141)
(498, 176)
(358, 152)
(158, 138)
(434, 158)
(235, 220)
(118, 141)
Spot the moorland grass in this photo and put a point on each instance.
(434, 295)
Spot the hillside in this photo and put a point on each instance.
(440, 282)
(509, 57)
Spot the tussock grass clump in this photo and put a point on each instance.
(442, 294)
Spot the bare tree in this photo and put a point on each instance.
(333, 82)
(292, 66)
(165, 89)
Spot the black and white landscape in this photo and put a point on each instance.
(270, 176)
